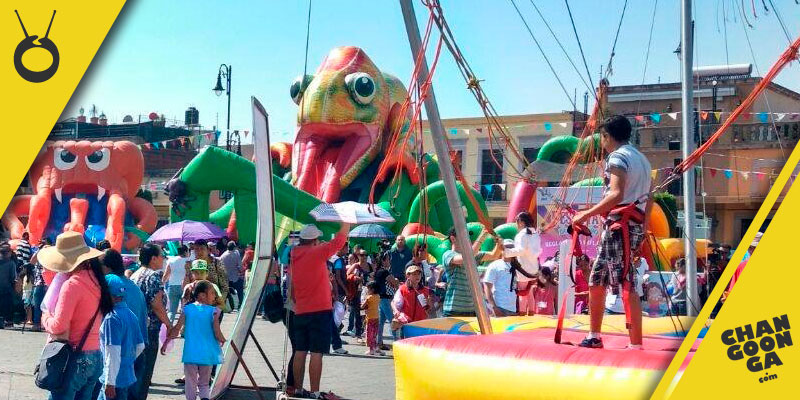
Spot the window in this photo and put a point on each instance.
(491, 166)
(530, 153)
(457, 157)
(492, 188)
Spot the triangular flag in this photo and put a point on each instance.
(466, 132)
(673, 115)
(704, 115)
(728, 174)
(146, 145)
(745, 174)
(488, 187)
(780, 116)
(454, 131)
(548, 126)
(155, 145)
(563, 124)
(191, 139)
(152, 186)
(763, 117)
(761, 175)
(246, 133)
(653, 174)
(656, 118)
(480, 130)
(713, 172)
(503, 186)
(639, 118)
(164, 144)
(717, 116)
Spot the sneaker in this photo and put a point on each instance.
(180, 381)
(360, 341)
(385, 347)
(349, 333)
(593, 343)
(380, 353)
(370, 352)
(340, 351)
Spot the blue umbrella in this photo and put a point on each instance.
(371, 231)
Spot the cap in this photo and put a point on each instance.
(115, 285)
(310, 232)
(508, 243)
(199, 265)
(413, 268)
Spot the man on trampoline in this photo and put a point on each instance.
(626, 185)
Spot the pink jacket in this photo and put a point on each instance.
(77, 302)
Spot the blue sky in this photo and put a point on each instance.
(163, 56)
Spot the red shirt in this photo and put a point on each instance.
(247, 259)
(308, 269)
(736, 274)
(545, 297)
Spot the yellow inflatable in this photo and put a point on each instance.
(673, 249)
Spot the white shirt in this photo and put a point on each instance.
(177, 268)
(498, 273)
(527, 248)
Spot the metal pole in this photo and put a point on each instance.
(228, 127)
(687, 122)
(446, 169)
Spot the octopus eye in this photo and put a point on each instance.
(64, 159)
(98, 160)
(361, 87)
(299, 87)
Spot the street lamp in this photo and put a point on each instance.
(225, 73)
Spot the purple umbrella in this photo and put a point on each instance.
(187, 231)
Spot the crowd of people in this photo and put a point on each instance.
(111, 309)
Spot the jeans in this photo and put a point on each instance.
(6, 305)
(386, 315)
(238, 286)
(150, 354)
(38, 297)
(138, 370)
(81, 377)
(174, 295)
(121, 394)
(336, 340)
(356, 320)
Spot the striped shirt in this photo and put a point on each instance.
(24, 251)
(457, 299)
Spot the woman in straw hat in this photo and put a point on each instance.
(83, 300)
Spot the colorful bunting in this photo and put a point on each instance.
(563, 124)
(639, 118)
(454, 131)
(656, 118)
(745, 174)
(713, 172)
(728, 174)
(718, 116)
(548, 126)
(673, 115)
(704, 115)
(763, 117)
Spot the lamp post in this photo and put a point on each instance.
(225, 73)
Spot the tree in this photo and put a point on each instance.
(145, 194)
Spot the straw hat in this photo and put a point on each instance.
(68, 253)
(413, 268)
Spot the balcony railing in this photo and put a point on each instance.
(739, 134)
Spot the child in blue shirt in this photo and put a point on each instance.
(121, 342)
(202, 340)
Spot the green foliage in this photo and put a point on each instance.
(145, 194)
(669, 204)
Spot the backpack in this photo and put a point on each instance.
(57, 356)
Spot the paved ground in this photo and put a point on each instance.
(354, 376)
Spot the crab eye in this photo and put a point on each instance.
(64, 159)
(361, 87)
(98, 160)
(299, 87)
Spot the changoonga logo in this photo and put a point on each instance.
(759, 344)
